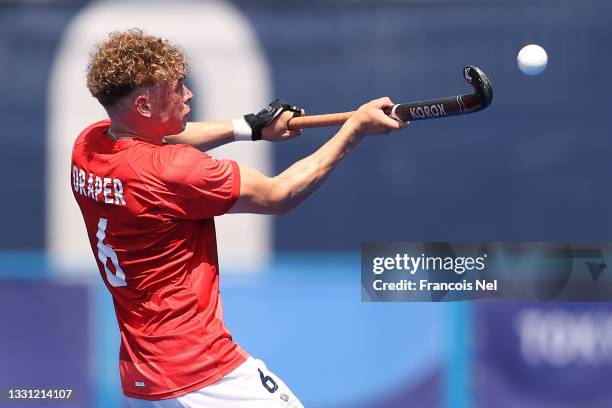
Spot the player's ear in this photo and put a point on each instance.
(143, 105)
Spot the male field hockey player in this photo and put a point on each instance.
(149, 205)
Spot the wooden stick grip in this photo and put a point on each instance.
(331, 119)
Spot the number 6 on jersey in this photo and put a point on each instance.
(105, 252)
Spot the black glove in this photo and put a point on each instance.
(267, 115)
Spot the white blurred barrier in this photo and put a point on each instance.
(229, 76)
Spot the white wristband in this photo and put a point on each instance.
(242, 130)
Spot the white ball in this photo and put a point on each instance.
(532, 59)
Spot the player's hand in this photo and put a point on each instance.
(370, 119)
(268, 119)
(278, 130)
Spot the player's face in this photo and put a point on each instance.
(171, 106)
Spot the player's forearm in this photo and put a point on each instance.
(204, 135)
(304, 177)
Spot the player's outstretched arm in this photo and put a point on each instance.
(276, 195)
(204, 135)
(270, 124)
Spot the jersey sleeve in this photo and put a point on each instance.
(194, 185)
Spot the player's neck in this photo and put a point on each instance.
(126, 124)
(117, 135)
(120, 131)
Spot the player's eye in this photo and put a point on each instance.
(180, 83)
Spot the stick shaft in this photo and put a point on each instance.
(436, 108)
(408, 112)
(313, 121)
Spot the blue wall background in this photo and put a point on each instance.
(532, 166)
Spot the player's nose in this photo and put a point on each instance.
(188, 95)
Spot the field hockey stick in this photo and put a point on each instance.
(433, 109)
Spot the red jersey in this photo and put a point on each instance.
(149, 214)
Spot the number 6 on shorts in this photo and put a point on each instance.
(268, 382)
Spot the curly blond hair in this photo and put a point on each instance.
(128, 60)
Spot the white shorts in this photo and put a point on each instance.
(250, 385)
